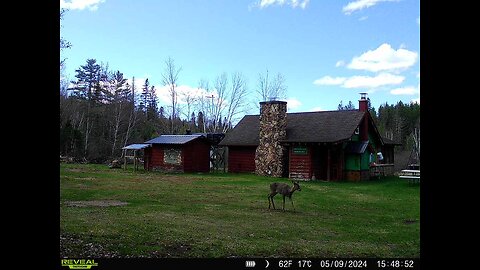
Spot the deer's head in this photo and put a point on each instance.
(296, 186)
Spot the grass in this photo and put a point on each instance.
(227, 215)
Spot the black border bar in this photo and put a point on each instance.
(256, 263)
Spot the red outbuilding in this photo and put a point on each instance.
(178, 153)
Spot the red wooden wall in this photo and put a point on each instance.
(196, 156)
(300, 165)
(241, 159)
(154, 157)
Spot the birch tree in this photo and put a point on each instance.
(119, 100)
(170, 79)
(132, 119)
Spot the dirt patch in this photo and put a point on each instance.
(177, 250)
(409, 221)
(72, 246)
(99, 203)
(84, 178)
(75, 170)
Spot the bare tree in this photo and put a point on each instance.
(118, 90)
(64, 81)
(64, 44)
(218, 102)
(236, 99)
(226, 103)
(271, 88)
(170, 79)
(132, 119)
(189, 99)
(416, 140)
(202, 103)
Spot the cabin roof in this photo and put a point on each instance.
(324, 126)
(174, 139)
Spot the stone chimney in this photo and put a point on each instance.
(270, 153)
(363, 107)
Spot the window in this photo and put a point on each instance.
(172, 156)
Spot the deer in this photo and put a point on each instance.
(283, 189)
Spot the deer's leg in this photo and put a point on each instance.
(273, 203)
(292, 204)
(269, 203)
(283, 203)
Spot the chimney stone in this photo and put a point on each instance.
(270, 154)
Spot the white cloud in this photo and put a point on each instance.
(81, 4)
(340, 63)
(304, 4)
(408, 90)
(415, 100)
(362, 81)
(293, 3)
(164, 97)
(363, 18)
(418, 20)
(293, 103)
(316, 109)
(372, 82)
(361, 4)
(384, 58)
(163, 94)
(327, 80)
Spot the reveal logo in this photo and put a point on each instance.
(79, 263)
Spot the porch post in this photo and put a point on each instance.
(328, 163)
(135, 160)
(124, 159)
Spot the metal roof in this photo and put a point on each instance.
(136, 146)
(174, 139)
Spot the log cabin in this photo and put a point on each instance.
(324, 145)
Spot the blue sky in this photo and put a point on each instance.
(327, 50)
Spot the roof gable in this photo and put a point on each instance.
(246, 132)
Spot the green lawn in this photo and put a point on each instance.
(227, 215)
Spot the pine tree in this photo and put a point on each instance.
(88, 77)
(87, 84)
(145, 97)
(152, 108)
